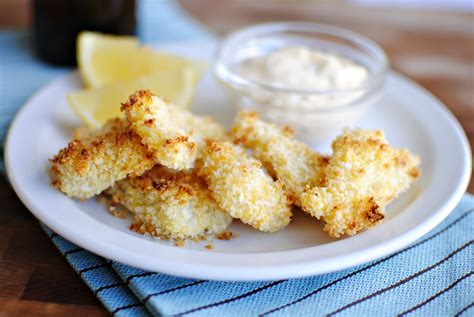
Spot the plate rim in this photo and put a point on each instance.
(291, 269)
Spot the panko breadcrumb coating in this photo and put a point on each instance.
(241, 187)
(171, 204)
(289, 160)
(88, 166)
(174, 134)
(363, 176)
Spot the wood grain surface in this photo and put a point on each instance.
(435, 48)
(35, 279)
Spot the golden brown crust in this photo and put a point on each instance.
(242, 188)
(156, 123)
(226, 235)
(362, 177)
(374, 213)
(171, 204)
(172, 133)
(87, 167)
(138, 99)
(290, 161)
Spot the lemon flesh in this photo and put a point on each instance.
(105, 59)
(114, 67)
(96, 105)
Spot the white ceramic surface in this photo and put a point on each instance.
(409, 115)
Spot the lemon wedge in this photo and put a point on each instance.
(113, 67)
(96, 105)
(105, 59)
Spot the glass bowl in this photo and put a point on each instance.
(316, 116)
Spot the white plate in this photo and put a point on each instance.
(409, 115)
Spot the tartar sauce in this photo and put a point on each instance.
(303, 68)
(300, 79)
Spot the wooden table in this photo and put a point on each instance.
(434, 48)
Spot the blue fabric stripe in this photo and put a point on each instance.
(462, 284)
(96, 279)
(466, 310)
(130, 310)
(186, 299)
(393, 292)
(389, 270)
(241, 299)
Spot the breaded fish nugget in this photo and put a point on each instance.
(242, 188)
(363, 176)
(289, 160)
(90, 165)
(172, 133)
(171, 205)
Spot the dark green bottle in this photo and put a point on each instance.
(56, 24)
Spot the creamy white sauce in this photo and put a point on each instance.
(303, 68)
(316, 117)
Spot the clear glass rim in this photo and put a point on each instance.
(236, 80)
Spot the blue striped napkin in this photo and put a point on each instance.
(432, 277)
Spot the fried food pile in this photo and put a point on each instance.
(171, 204)
(184, 176)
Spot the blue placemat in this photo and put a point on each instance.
(432, 277)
